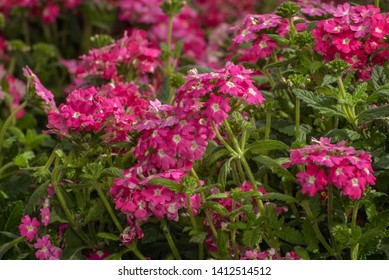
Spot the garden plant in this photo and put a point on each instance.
(202, 129)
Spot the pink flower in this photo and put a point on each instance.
(313, 180)
(50, 13)
(40, 90)
(46, 251)
(217, 109)
(29, 228)
(45, 216)
(98, 255)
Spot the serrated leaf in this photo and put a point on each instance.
(290, 235)
(198, 237)
(217, 155)
(310, 237)
(217, 196)
(91, 171)
(222, 245)
(378, 76)
(171, 185)
(281, 41)
(251, 238)
(343, 134)
(152, 233)
(325, 105)
(243, 209)
(112, 172)
(262, 147)
(22, 160)
(223, 173)
(35, 197)
(375, 113)
(360, 95)
(14, 217)
(215, 206)
(108, 236)
(275, 167)
(95, 212)
(342, 233)
(302, 253)
(327, 80)
(278, 196)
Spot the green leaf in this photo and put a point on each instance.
(275, 167)
(325, 105)
(95, 212)
(215, 206)
(251, 238)
(92, 171)
(360, 95)
(174, 186)
(112, 172)
(378, 76)
(224, 171)
(217, 155)
(22, 160)
(36, 196)
(5, 247)
(198, 237)
(375, 113)
(343, 134)
(310, 236)
(290, 235)
(10, 217)
(217, 196)
(200, 69)
(342, 233)
(278, 196)
(281, 41)
(108, 236)
(301, 252)
(262, 147)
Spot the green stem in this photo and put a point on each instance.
(297, 119)
(224, 142)
(194, 224)
(269, 77)
(203, 199)
(233, 234)
(235, 174)
(108, 207)
(170, 240)
(377, 3)
(6, 166)
(268, 125)
(293, 30)
(55, 178)
(8, 122)
(355, 247)
(241, 171)
(138, 254)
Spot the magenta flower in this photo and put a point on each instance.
(312, 181)
(45, 216)
(29, 228)
(216, 109)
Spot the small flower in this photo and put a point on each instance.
(45, 216)
(29, 228)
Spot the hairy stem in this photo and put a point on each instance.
(170, 240)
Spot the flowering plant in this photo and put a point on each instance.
(164, 133)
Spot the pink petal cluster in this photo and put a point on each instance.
(316, 8)
(16, 90)
(356, 34)
(45, 250)
(29, 228)
(98, 255)
(254, 30)
(186, 25)
(43, 93)
(270, 254)
(131, 51)
(344, 167)
(95, 110)
(140, 201)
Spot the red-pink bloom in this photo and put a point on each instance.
(46, 251)
(29, 228)
(216, 109)
(45, 216)
(98, 255)
(312, 181)
(50, 13)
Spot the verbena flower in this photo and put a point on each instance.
(29, 228)
(344, 167)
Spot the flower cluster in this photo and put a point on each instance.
(29, 228)
(48, 11)
(344, 167)
(87, 110)
(16, 90)
(254, 30)
(140, 201)
(186, 25)
(355, 34)
(131, 53)
(270, 254)
(316, 8)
